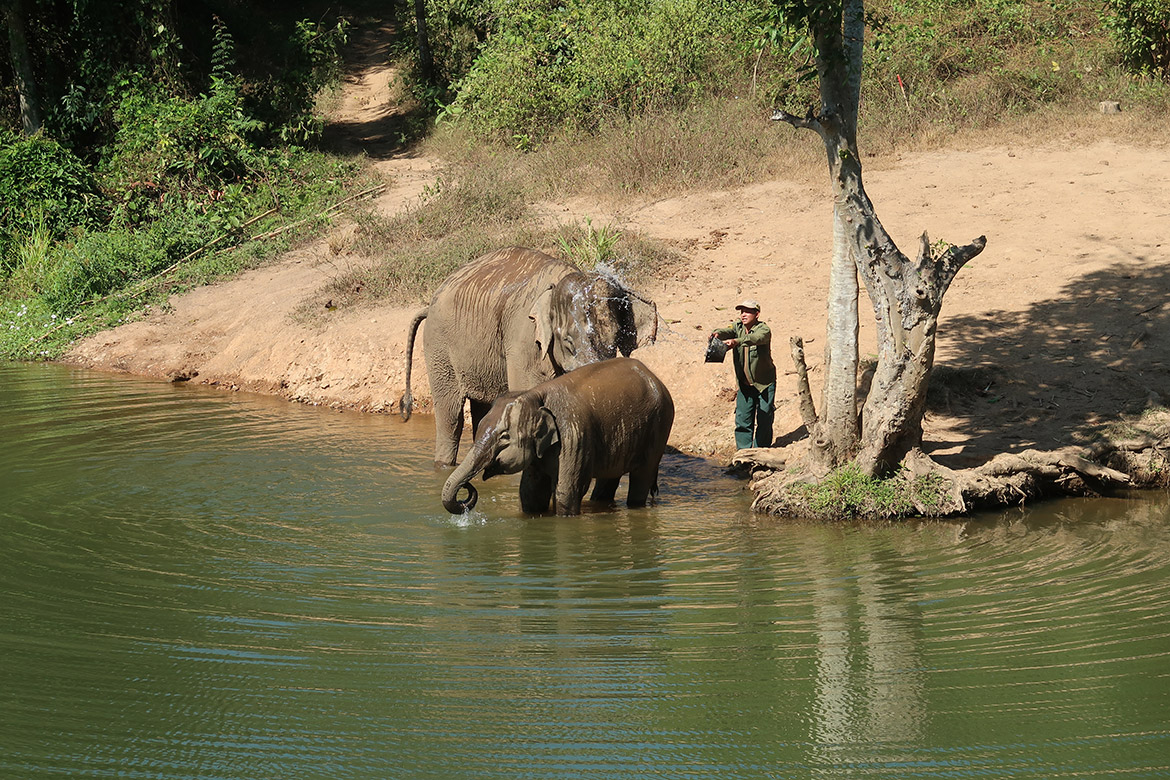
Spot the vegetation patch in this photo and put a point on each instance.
(846, 493)
(467, 213)
(168, 180)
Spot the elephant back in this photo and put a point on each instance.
(479, 340)
(499, 281)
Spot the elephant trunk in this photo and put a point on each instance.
(455, 505)
(461, 478)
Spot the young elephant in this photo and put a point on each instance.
(599, 421)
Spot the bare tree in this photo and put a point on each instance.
(880, 429)
(906, 295)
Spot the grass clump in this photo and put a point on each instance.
(468, 212)
(847, 494)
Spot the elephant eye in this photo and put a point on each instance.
(570, 346)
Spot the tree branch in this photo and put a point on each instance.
(958, 256)
(807, 122)
(808, 412)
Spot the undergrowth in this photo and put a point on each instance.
(187, 189)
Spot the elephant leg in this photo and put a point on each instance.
(536, 490)
(478, 410)
(605, 490)
(448, 430)
(573, 478)
(643, 482)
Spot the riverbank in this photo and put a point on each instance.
(1055, 333)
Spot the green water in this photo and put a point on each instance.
(199, 584)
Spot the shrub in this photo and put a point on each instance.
(43, 187)
(1141, 32)
(550, 64)
(168, 148)
(98, 264)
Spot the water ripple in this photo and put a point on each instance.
(211, 585)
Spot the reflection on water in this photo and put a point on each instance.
(207, 585)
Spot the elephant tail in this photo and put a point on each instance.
(406, 403)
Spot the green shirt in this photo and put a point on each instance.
(753, 356)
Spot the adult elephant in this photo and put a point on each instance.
(510, 320)
(598, 422)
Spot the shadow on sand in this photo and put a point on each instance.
(1054, 374)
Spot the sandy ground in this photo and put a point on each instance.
(1058, 329)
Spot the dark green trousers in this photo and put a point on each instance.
(754, 410)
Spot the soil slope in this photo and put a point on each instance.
(1058, 329)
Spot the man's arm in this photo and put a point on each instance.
(759, 335)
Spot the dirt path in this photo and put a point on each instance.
(1056, 330)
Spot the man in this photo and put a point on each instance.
(755, 404)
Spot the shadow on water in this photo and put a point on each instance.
(1051, 375)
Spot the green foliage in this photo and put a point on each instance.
(1141, 32)
(169, 148)
(286, 99)
(964, 63)
(589, 246)
(97, 264)
(847, 493)
(165, 181)
(43, 187)
(546, 64)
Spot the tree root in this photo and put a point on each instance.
(929, 489)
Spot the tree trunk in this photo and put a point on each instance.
(835, 435)
(26, 86)
(426, 60)
(906, 296)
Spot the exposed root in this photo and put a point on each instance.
(925, 488)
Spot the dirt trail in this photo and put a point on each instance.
(1059, 327)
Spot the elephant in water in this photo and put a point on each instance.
(510, 320)
(599, 421)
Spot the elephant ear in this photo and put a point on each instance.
(643, 331)
(547, 435)
(541, 315)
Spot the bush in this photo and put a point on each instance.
(169, 148)
(43, 187)
(551, 64)
(98, 264)
(1141, 31)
